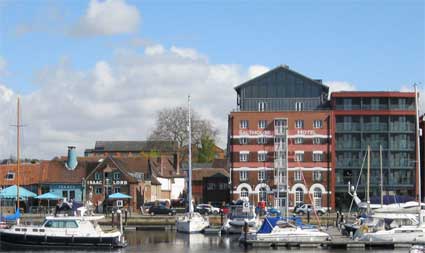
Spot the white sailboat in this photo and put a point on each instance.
(191, 222)
(402, 233)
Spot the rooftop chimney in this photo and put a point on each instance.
(71, 162)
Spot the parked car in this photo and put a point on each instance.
(148, 205)
(181, 202)
(304, 208)
(160, 209)
(207, 209)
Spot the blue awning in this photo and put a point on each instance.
(11, 193)
(49, 195)
(119, 195)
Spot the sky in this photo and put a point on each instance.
(101, 69)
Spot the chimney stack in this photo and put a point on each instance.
(71, 162)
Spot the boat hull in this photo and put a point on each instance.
(194, 223)
(15, 240)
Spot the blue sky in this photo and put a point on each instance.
(63, 56)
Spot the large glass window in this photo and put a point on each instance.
(243, 157)
(261, 175)
(317, 196)
(299, 196)
(299, 157)
(299, 123)
(244, 123)
(262, 157)
(243, 175)
(262, 124)
(297, 175)
(244, 193)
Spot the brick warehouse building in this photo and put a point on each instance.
(281, 114)
(374, 118)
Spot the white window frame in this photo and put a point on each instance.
(117, 176)
(299, 140)
(261, 175)
(244, 191)
(262, 123)
(261, 140)
(317, 175)
(318, 123)
(299, 157)
(299, 123)
(12, 175)
(298, 175)
(317, 199)
(244, 123)
(243, 175)
(243, 156)
(317, 156)
(299, 196)
(262, 156)
(317, 140)
(261, 106)
(243, 140)
(299, 106)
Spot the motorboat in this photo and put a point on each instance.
(274, 229)
(237, 218)
(400, 234)
(192, 223)
(62, 232)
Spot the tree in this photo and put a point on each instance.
(206, 152)
(172, 125)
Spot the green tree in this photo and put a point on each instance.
(206, 151)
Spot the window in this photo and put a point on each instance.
(299, 106)
(297, 175)
(317, 124)
(244, 193)
(261, 106)
(317, 140)
(117, 176)
(243, 175)
(10, 176)
(71, 195)
(262, 123)
(299, 196)
(243, 157)
(98, 190)
(282, 177)
(262, 140)
(117, 189)
(65, 194)
(261, 175)
(262, 194)
(61, 224)
(244, 123)
(299, 123)
(317, 157)
(262, 157)
(317, 196)
(98, 176)
(317, 175)
(243, 140)
(299, 140)
(299, 157)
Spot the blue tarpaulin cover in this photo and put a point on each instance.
(268, 225)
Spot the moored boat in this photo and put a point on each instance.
(62, 232)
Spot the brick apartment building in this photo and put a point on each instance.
(280, 136)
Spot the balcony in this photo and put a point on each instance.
(402, 127)
(280, 163)
(348, 107)
(279, 130)
(348, 127)
(375, 107)
(375, 127)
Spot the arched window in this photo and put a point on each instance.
(244, 193)
(317, 196)
(262, 194)
(299, 195)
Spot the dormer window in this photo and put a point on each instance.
(117, 176)
(10, 176)
(261, 106)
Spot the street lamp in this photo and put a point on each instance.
(83, 186)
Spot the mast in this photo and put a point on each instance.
(368, 179)
(189, 190)
(382, 179)
(418, 152)
(18, 162)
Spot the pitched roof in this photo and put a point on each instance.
(134, 146)
(164, 166)
(281, 68)
(54, 171)
(199, 174)
(28, 174)
(220, 163)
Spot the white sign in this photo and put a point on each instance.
(245, 207)
(119, 203)
(306, 132)
(254, 132)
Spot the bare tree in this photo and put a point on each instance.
(172, 125)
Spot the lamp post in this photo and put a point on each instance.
(83, 186)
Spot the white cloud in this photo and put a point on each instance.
(154, 49)
(3, 65)
(117, 99)
(256, 70)
(108, 17)
(340, 86)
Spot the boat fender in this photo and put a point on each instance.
(365, 229)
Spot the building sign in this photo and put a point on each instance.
(63, 186)
(254, 132)
(94, 182)
(120, 182)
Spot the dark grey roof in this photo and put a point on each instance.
(281, 68)
(135, 146)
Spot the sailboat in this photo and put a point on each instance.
(191, 222)
(401, 233)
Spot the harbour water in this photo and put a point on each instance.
(172, 242)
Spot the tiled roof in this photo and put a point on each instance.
(220, 163)
(164, 166)
(28, 174)
(54, 171)
(199, 174)
(134, 146)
